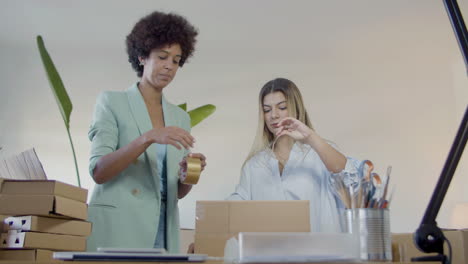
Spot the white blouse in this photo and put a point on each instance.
(304, 177)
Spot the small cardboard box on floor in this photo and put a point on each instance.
(218, 221)
(404, 248)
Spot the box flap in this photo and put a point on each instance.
(72, 208)
(70, 191)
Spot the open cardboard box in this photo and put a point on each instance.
(217, 221)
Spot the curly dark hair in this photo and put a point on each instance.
(157, 30)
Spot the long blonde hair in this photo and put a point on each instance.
(295, 104)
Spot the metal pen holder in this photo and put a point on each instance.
(371, 228)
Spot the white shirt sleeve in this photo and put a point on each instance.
(243, 191)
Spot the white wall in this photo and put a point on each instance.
(385, 80)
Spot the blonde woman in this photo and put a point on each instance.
(289, 160)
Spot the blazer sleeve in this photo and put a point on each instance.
(103, 132)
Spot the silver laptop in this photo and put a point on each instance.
(132, 250)
(119, 256)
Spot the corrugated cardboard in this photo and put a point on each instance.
(27, 255)
(44, 205)
(211, 244)
(44, 187)
(33, 240)
(405, 248)
(187, 237)
(2, 217)
(217, 221)
(48, 225)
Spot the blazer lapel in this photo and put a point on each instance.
(143, 122)
(139, 110)
(173, 159)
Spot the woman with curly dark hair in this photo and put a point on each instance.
(140, 142)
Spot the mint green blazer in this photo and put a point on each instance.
(125, 210)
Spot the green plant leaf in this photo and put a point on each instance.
(61, 96)
(199, 114)
(183, 106)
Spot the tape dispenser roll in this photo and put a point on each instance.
(192, 175)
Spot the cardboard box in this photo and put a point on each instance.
(187, 237)
(404, 248)
(33, 240)
(217, 221)
(27, 255)
(48, 225)
(44, 205)
(212, 244)
(2, 217)
(43, 187)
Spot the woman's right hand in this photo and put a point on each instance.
(172, 135)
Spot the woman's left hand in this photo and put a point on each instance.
(294, 129)
(183, 163)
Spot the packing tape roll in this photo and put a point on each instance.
(192, 175)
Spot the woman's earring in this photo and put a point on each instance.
(141, 63)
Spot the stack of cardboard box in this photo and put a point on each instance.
(41, 216)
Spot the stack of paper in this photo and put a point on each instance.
(24, 166)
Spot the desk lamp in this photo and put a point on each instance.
(428, 237)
